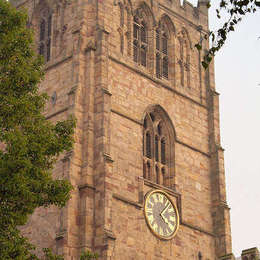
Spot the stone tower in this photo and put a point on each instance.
(147, 121)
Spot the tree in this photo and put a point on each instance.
(236, 10)
(29, 144)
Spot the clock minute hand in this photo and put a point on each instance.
(167, 206)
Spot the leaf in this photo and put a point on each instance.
(204, 64)
(31, 143)
(198, 46)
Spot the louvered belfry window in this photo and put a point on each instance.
(155, 163)
(162, 42)
(45, 37)
(140, 43)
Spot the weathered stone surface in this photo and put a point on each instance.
(93, 74)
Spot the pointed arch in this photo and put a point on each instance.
(186, 34)
(165, 48)
(42, 24)
(169, 24)
(143, 21)
(122, 16)
(184, 56)
(158, 146)
(128, 5)
(148, 13)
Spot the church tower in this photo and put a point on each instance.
(147, 165)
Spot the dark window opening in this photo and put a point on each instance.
(45, 28)
(145, 123)
(158, 65)
(163, 176)
(144, 171)
(159, 129)
(122, 43)
(157, 40)
(157, 175)
(148, 171)
(148, 145)
(49, 50)
(163, 158)
(41, 49)
(165, 67)
(156, 148)
(143, 56)
(164, 44)
(49, 25)
(152, 116)
(42, 30)
(135, 51)
(135, 31)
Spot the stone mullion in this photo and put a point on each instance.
(129, 32)
(153, 161)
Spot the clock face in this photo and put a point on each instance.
(161, 214)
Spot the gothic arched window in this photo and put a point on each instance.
(162, 42)
(45, 28)
(140, 43)
(184, 58)
(158, 150)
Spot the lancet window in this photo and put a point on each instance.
(162, 50)
(45, 31)
(140, 39)
(184, 59)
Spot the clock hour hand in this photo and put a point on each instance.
(161, 214)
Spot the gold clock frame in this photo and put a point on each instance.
(147, 196)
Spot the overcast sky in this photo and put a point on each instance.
(237, 68)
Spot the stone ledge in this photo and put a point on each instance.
(157, 81)
(161, 187)
(128, 201)
(177, 141)
(227, 257)
(197, 228)
(86, 186)
(57, 62)
(57, 112)
(109, 234)
(60, 235)
(108, 158)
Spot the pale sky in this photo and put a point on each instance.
(237, 68)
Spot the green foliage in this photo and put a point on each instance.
(50, 256)
(236, 10)
(88, 255)
(29, 144)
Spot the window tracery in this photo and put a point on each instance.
(140, 43)
(45, 29)
(162, 46)
(158, 149)
(184, 59)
